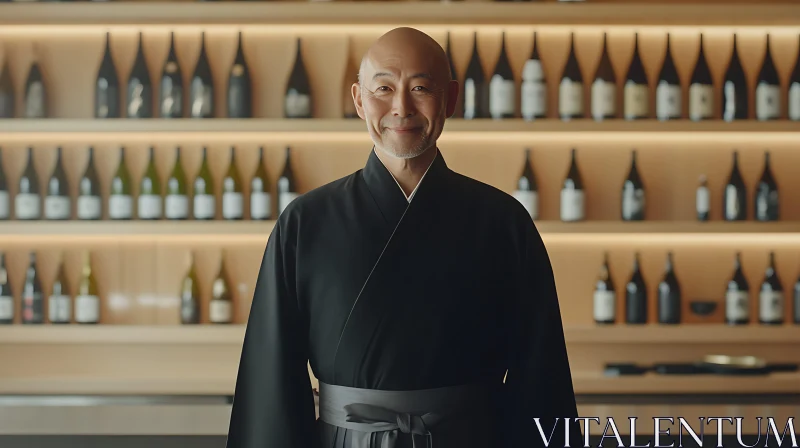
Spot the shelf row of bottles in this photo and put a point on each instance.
(483, 95)
(772, 297)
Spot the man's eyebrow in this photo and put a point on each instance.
(391, 75)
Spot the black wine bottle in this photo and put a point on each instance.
(526, 190)
(298, 101)
(240, 96)
(570, 90)
(605, 296)
(107, 94)
(734, 89)
(534, 86)
(201, 88)
(734, 202)
(57, 204)
(766, 198)
(604, 87)
(572, 194)
(668, 89)
(737, 296)
(28, 203)
(794, 90)
(32, 303)
(260, 199)
(502, 90)
(633, 195)
(768, 89)
(350, 77)
(89, 203)
(7, 97)
(636, 104)
(476, 90)
(139, 100)
(770, 298)
(35, 103)
(702, 199)
(170, 101)
(701, 90)
(287, 186)
(636, 296)
(5, 197)
(6, 295)
(669, 295)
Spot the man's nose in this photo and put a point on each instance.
(403, 104)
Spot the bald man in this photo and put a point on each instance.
(412, 291)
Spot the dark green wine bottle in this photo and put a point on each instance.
(232, 195)
(120, 201)
(150, 191)
(205, 206)
(177, 199)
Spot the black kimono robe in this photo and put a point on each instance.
(463, 292)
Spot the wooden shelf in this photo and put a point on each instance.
(682, 334)
(117, 229)
(370, 14)
(597, 383)
(123, 334)
(118, 385)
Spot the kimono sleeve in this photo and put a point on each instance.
(273, 405)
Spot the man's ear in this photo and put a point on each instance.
(355, 91)
(453, 89)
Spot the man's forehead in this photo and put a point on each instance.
(397, 66)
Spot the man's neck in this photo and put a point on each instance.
(408, 172)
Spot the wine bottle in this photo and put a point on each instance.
(149, 206)
(526, 191)
(287, 186)
(476, 91)
(604, 87)
(260, 200)
(6, 296)
(794, 90)
(57, 201)
(572, 195)
(35, 104)
(201, 89)
(702, 199)
(90, 204)
(59, 304)
(27, 203)
(534, 86)
(734, 203)
(633, 197)
(87, 301)
(190, 295)
(668, 90)
(240, 96)
(737, 296)
(297, 103)
(205, 206)
(768, 89)
(734, 89)
(636, 296)
(106, 94)
(120, 200)
(232, 194)
(32, 306)
(770, 299)
(766, 197)
(140, 88)
(701, 90)
(5, 204)
(220, 309)
(502, 91)
(7, 97)
(636, 104)
(669, 295)
(350, 77)
(449, 54)
(176, 203)
(171, 93)
(605, 296)
(570, 91)
(797, 301)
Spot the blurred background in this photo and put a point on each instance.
(147, 148)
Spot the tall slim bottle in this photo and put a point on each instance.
(6, 296)
(190, 295)
(221, 305)
(87, 301)
(32, 298)
(59, 304)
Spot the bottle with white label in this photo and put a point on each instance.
(120, 199)
(240, 96)
(171, 93)
(5, 204)
(768, 89)
(534, 86)
(572, 194)
(57, 204)
(139, 96)
(702, 199)
(90, 204)
(190, 296)
(767, 205)
(770, 300)
(669, 295)
(6, 296)
(476, 91)
(734, 89)
(668, 90)
(32, 303)
(570, 90)
(701, 90)
(526, 191)
(605, 296)
(28, 201)
(59, 304)
(201, 86)
(734, 202)
(87, 301)
(636, 295)
(298, 101)
(205, 204)
(287, 186)
(737, 296)
(633, 197)
(35, 100)
(220, 307)
(636, 95)
(604, 88)
(260, 199)
(232, 193)
(149, 206)
(794, 90)
(502, 91)
(176, 200)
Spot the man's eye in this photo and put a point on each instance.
(382, 88)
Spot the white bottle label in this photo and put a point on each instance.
(731, 202)
(636, 104)
(27, 206)
(176, 206)
(204, 206)
(570, 98)
(632, 201)
(6, 307)
(701, 101)
(702, 200)
(260, 205)
(56, 207)
(284, 199)
(605, 305)
(668, 101)
(297, 104)
(534, 90)
(501, 96)
(770, 306)
(87, 309)
(768, 101)
(529, 200)
(120, 206)
(737, 305)
(89, 207)
(604, 98)
(220, 311)
(60, 308)
(469, 99)
(794, 101)
(5, 211)
(571, 205)
(149, 206)
(232, 205)
(729, 101)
